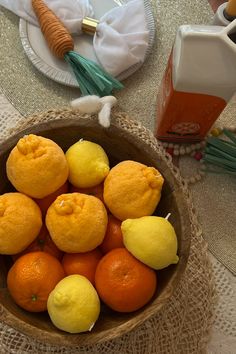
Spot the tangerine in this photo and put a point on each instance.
(96, 191)
(113, 237)
(82, 263)
(44, 243)
(45, 202)
(123, 282)
(32, 278)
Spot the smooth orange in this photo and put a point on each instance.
(96, 191)
(123, 282)
(82, 263)
(45, 202)
(31, 279)
(43, 243)
(113, 237)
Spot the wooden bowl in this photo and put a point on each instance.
(119, 145)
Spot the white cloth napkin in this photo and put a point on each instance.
(122, 36)
(70, 12)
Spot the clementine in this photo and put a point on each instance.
(96, 191)
(113, 237)
(82, 263)
(45, 202)
(44, 243)
(31, 279)
(123, 282)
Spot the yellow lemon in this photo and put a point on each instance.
(152, 240)
(74, 305)
(20, 222)
(77, 222)
(88, 164)
(37, 166)
(132, 190)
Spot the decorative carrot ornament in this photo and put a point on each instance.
(90, 76)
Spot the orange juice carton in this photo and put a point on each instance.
(198, 82)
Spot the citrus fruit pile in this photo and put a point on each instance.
(80, 232)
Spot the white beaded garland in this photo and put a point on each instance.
(188, 150)
(176, 152)
(183, 149)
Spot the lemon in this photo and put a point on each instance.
(152, 240)
(88, 164)
(74, 305)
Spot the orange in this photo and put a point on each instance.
(37, 166)
(123, 282)
(96, 191)
(44, 243)
(31, 279)
(113, 237)
(77, 222)
(132, 190)
(20, 222)
(45, 202)
(82, 263)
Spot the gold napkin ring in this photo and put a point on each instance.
(89, 25)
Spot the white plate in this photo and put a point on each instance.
(41, 57)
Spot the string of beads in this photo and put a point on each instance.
(194, 150)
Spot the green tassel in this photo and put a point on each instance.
(221, 154)
(230, 135)
(92, 79)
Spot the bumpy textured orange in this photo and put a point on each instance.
(20, 222)
(37, 166)
(132, 190)
(31, 279)
(77, 222)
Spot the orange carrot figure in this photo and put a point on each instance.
(90, 76)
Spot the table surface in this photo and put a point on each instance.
(223, 334)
